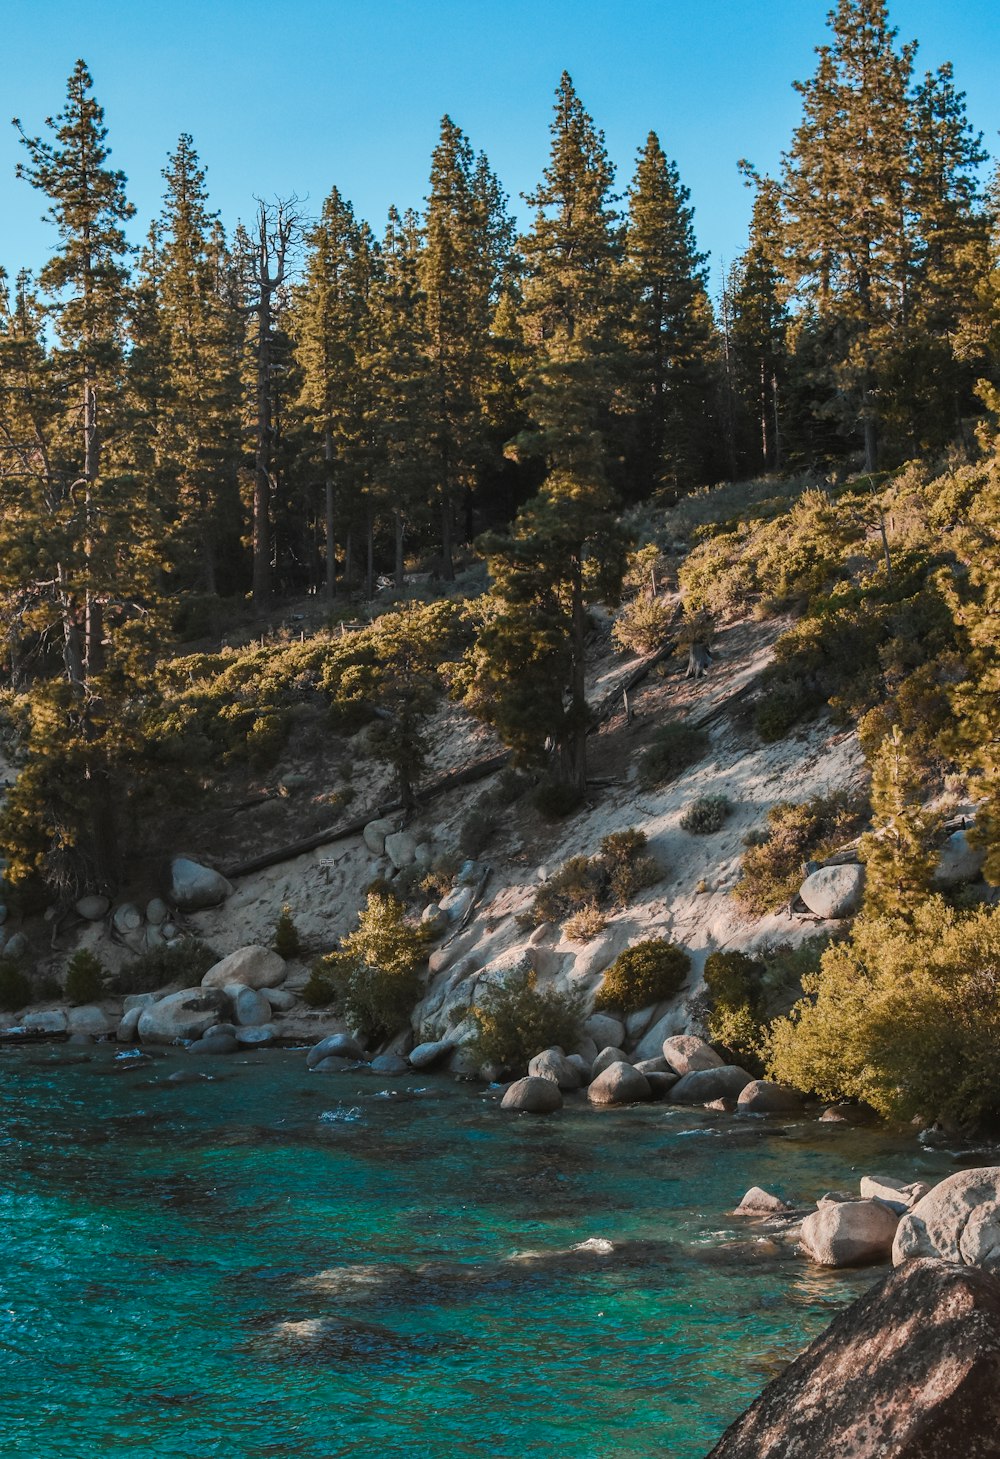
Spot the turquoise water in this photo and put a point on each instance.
(278, 1263)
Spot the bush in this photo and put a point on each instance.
(375, 974)
(610, 879)
(586, 924)
(287, 943)
(554, 801)
(782, 707)
(516, 1020)
(320, 990)
(809, 830)
(185, 961)
(15, 990)
(578, 883)
(650, 972)
(675, 747)
(905, 1016)
(641, 626)
(706, 814)
(477, 829)
(627, 869)
(85, 978)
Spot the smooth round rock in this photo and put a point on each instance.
(256, 1036)
(703, 1085)
(533, 1095)
(958, 1220)
(157, 912)
(389, 1064)
(605, 1059)
(426, 1055)
(849, 1233)
(193, 886)
(762, 1097)
(686, 1054)
(834, 892)
(93, 907)
(250, 1008)
(338, 1046)
(184, 1015)
(253, 966)
(216, 1043)
(619, 1083)
(553, 1064)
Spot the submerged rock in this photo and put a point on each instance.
(336, 1046)
(702, 1085)
(909, 1371)
(758, 1202)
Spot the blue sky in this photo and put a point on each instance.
(298, 95)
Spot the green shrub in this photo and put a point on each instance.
(477, 829)
(626, 867)
(675, 746)
(185, 961)
(286, 943)
(641, 626)
(85, 978)
(375, 973)
(650, 972)
(905, 1016)
(786, 702)
(516, 1020)
(809, 830)
(610, 879)
(554, 801)
(320, 990)
(579, 882)
(15, 989)
(706, 815)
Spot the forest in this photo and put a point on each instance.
(219, 423)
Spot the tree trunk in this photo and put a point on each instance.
(399, 574)
(575, 750)
(369, 556)
(447, 559)
(331, 548)
(262, 461)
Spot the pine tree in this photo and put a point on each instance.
(199, 447)
(899, 852)
(845, 192)
(759, 328)
(668, 329)
(571, 293)
(332, 326)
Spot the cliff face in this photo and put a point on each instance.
(909, 1371)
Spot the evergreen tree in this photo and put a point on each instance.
(668, 328)
(759, 329)
(845, 192)
(571, 293)
(899, 852)
(332, 328)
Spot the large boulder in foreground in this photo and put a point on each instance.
(184, 1015)
(849, 1233)
(703, 1085)
(958, 1220)
(193, 886)
(254, 967)
(909, 1371)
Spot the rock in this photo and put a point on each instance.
(724, 1106)
(249, 1007)
(958, 862)
(660, 1084)
(582, 1065)
(257, 1035)
(652, 1041)
(170, 931)
(157, 912)
(686, 1054)
(126, 918)
(637, 1023)
(193, 886)
(893, 1193)
(606, 1032)
(389, 1064)
(93, 907)
(464, 1064)
(834, 891)
(542, 933)
(216, 1043)
(606, 1058)
(654, 1066)
(89, 1019)
(425, 853)
(334, 1064)
(958, 1221)
(908, 1371)
(533, 1096)
(726, 1082)
(619, 1084)
(81, 1039)
(337, 1045)
(456, 903)
(849, 1233)
(280, 999)
(434, 920)
(184, 1015)
(254, 967)
(760, 1097)
(758, 1202)
(219, 1029)
(848, 1114)
(139, 1000)
(400, 848)
(470, 873)
(127, 1032)
(587, 1050)
(46, 1020)
(425, 1055)
(374, 835)
(16, 946)
(553, 1064)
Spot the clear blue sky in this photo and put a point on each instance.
(298, 95)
